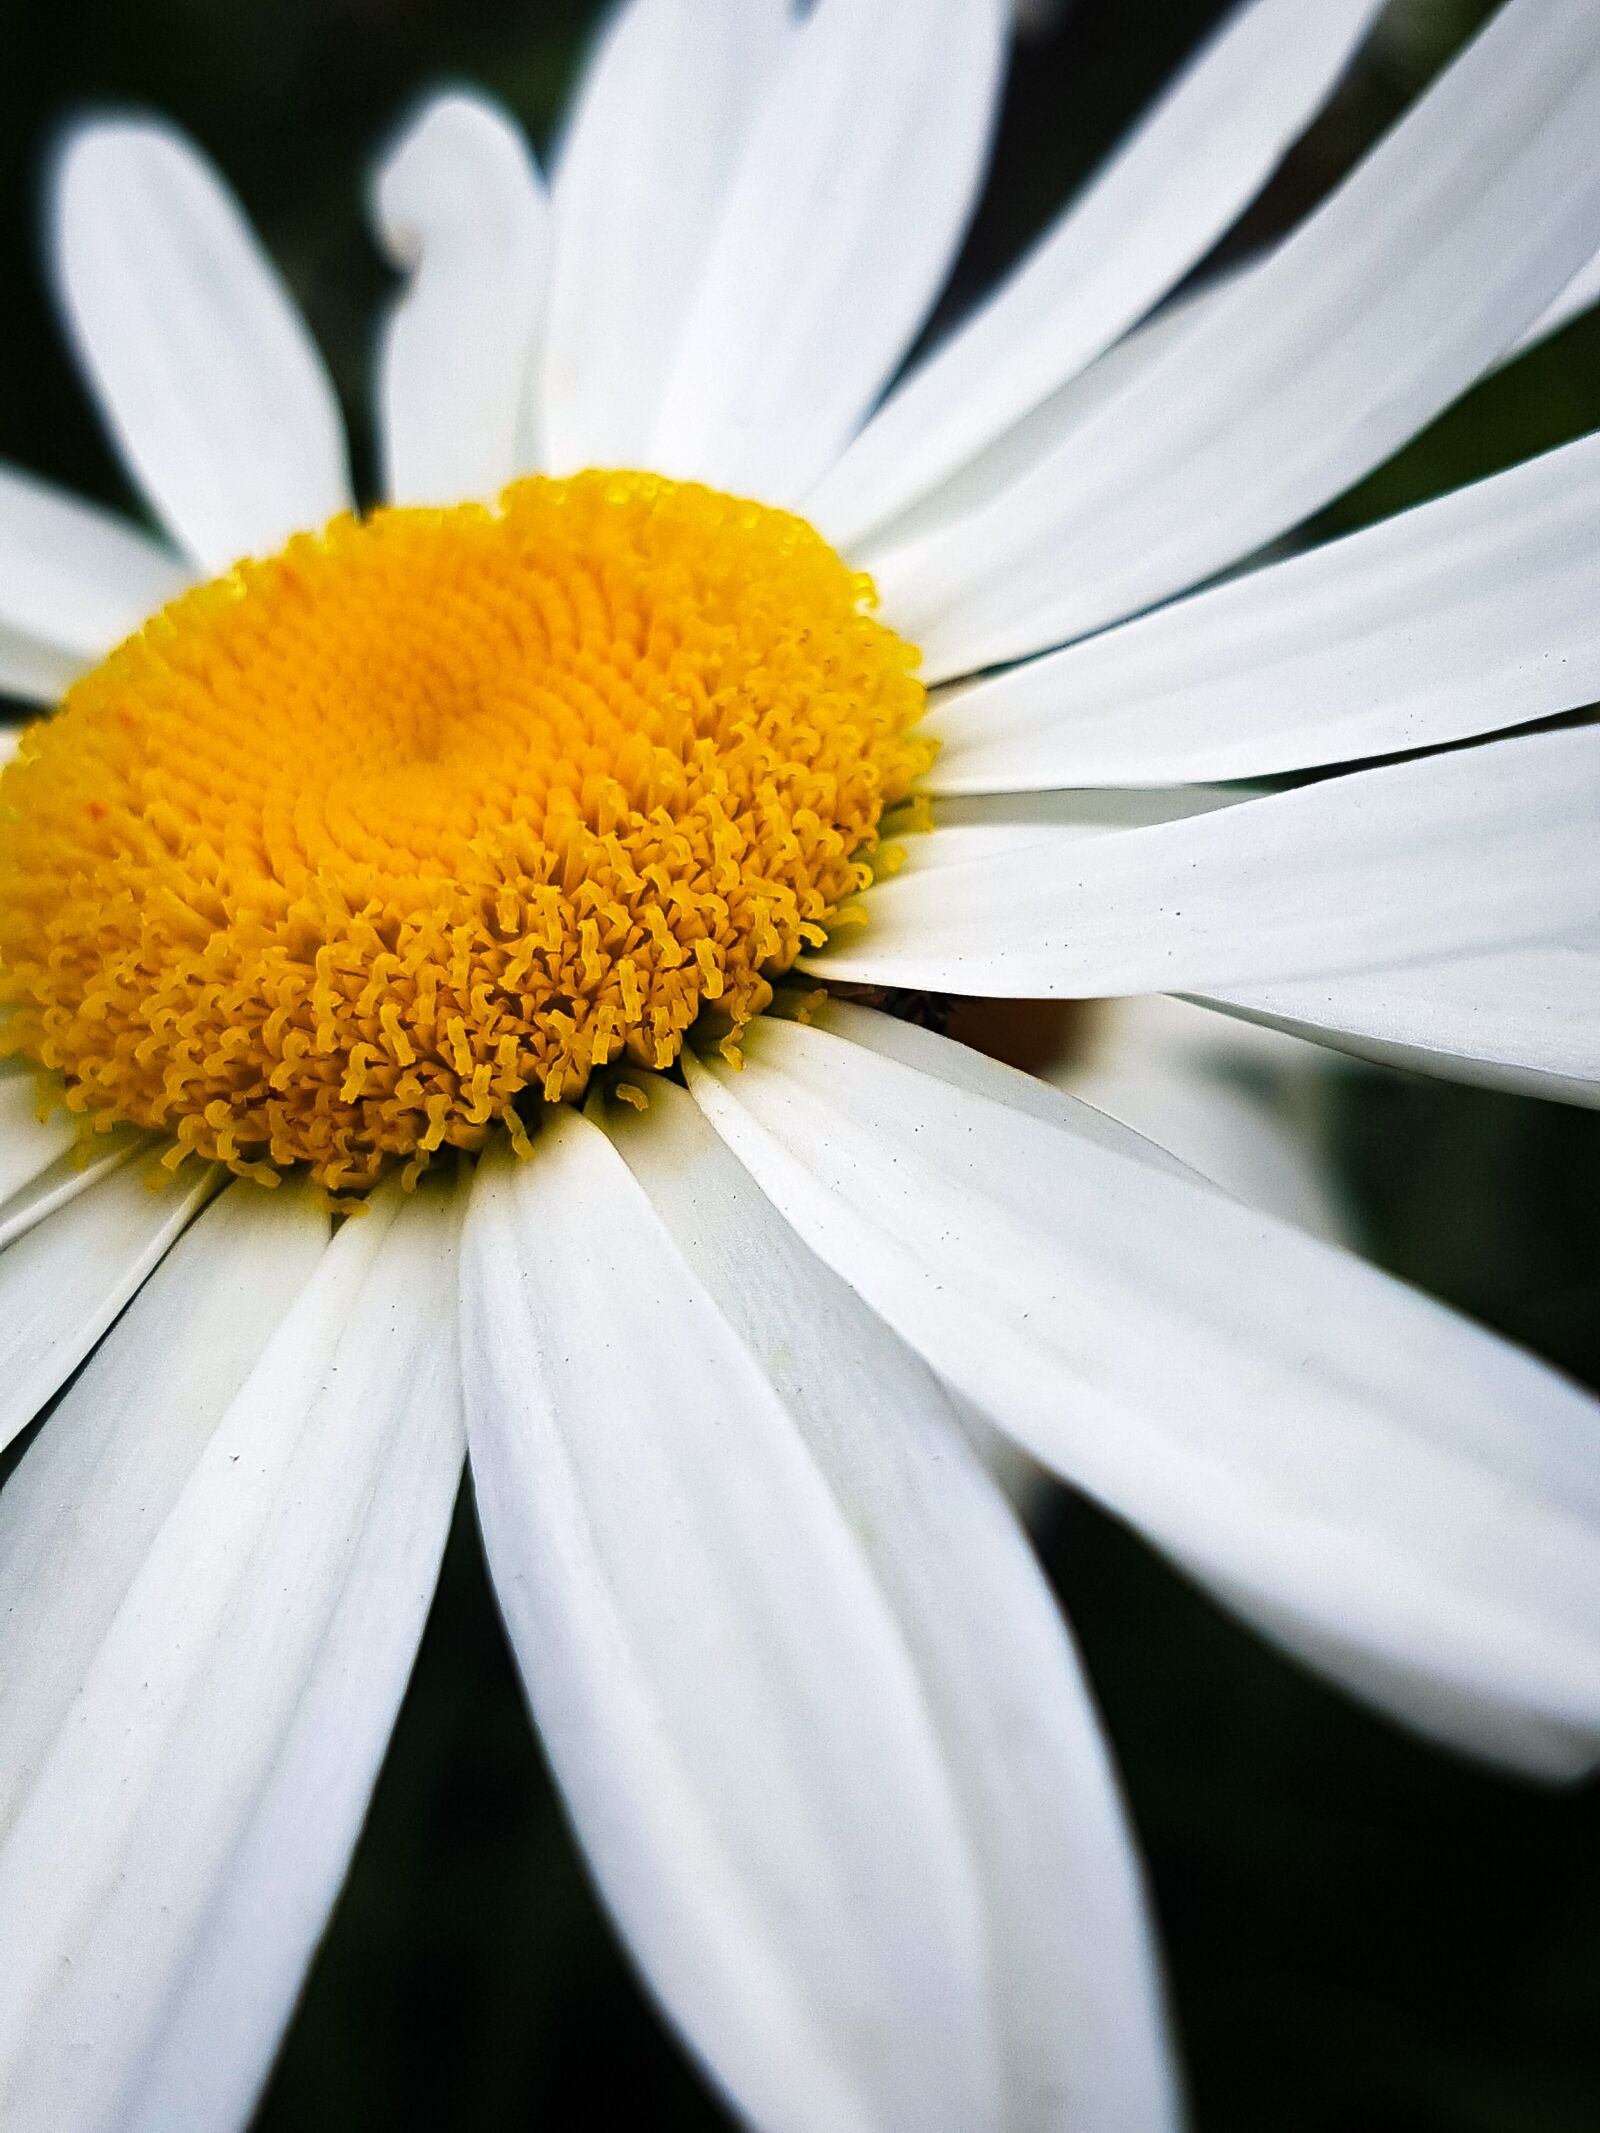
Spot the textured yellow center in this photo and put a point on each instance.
(346, 853)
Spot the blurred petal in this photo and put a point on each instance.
(188, 1806)
(1069, 1955)
(461, 210)
(658, 126)
(1454, 854)
(727, 1701)
(1527, 1019)
(33, 671)
(841, 222)
(1580, 295)
(203, 369)
(1245, 1121)
(1162, 200)
(1468, 615)
(63, 1281)
(1394, 1493)
(74, 581)
(1373, 316)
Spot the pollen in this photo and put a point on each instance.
(364, 851)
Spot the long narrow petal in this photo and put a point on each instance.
(1070, 1962)
(33, 671)
(1391, 1491)
(69, 1176)
(74, 581)
(85, 1505)
(841, 219)
(1464, 617)
(1527, 1019)
(1017, 450)
(1580, 295)
(659, 123)
(1164, 198)
(188, 1807)
(986, 826)
(1455, 854)
(204, 372)
(1402, 289)
(730, 1708)
(461, 210)
(27, 1143)
(64, 1280)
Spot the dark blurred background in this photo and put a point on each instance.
(1364, 1937)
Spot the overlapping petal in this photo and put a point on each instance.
(56, 1184)
(1070, 1968)
(64, 1280)
(1455, 854)
(657, 129)
(229, 1536)
(1475, 613)
(1419, 272)
(851, 1815)
(27, 1143)
(1193, 163)
(1393, 1493)
(1239, 1103)
(1526, 1019)
(841, 220)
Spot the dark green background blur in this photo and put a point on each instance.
(1364, 1937)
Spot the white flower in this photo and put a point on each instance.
(817, 1724)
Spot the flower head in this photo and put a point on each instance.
(464, 844)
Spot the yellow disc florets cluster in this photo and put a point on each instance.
(348, 853)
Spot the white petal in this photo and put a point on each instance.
(1246, 1114)
(181, 1838)
(79, 1516)
(1475, 613)
(67, 1177)
(1580, 295)
(204, 372)
(27, 1144)
(1403, 288)
(1527, 1019)
(74, 581)
(1162, 200)
(1014, 454)
(659, 123)
(983, 826)
(35, 672)
(65, 1280)
(1070, 1963)
(1453, 854)
(729, 1708)
(1186, 1036)
(461, 210)
(1017, 450)
(1392, 1491)
(841, 220)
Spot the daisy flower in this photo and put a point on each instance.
(475, 863)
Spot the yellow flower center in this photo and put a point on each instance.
(348, 853)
